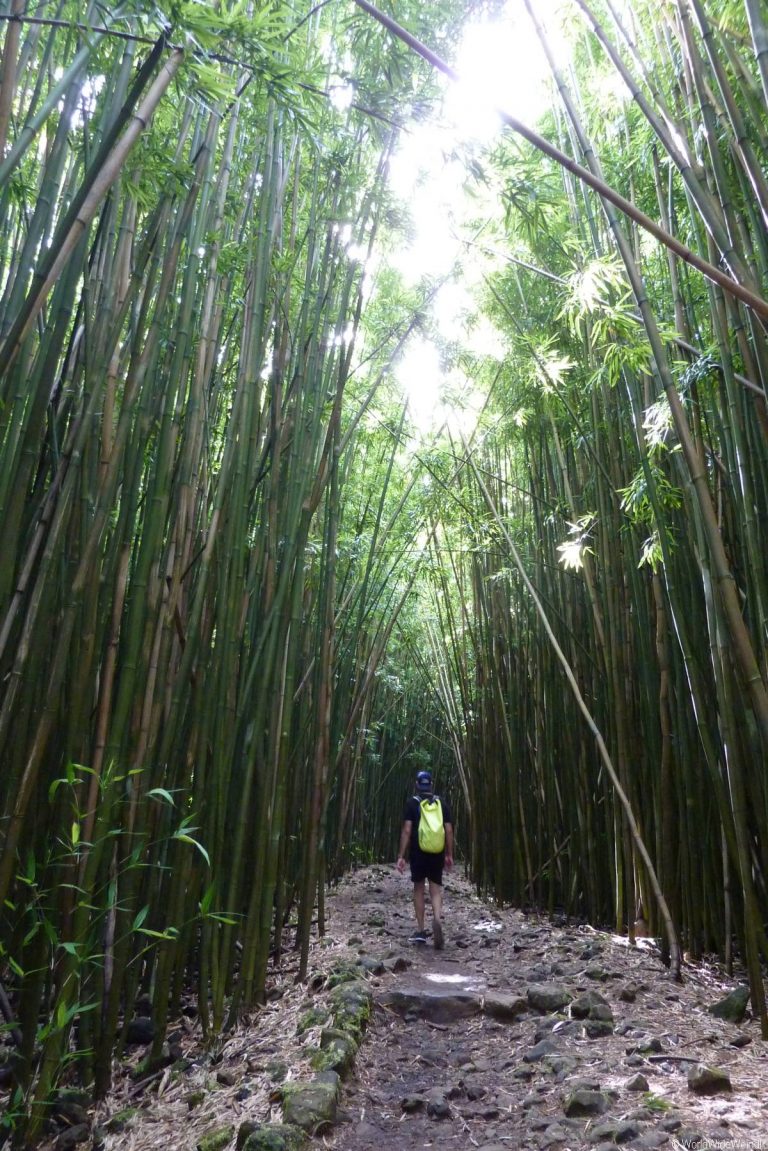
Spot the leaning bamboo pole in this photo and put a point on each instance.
(729, 283)
(669, 927)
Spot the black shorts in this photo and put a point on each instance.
(428, 867)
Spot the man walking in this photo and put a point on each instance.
(426, 865)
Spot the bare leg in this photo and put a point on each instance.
(418, 903)
(436, 896)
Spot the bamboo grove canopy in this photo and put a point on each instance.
(239, 608)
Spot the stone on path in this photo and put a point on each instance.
(80, 1133)
(435, 1004)
(705, 1080)
(548, 997)
(501, 1006)
(733, 1007)
(637, 1083)
(585, 1102)
(540, 1050)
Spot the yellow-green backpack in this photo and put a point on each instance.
(431, 826)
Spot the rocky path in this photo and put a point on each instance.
(519, 1034)
(524, 1035)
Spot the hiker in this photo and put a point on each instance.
(427, 864)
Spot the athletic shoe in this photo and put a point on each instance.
(437, 934)
(418, 937)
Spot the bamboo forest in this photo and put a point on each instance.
(286, 516)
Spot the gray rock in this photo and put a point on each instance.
(671, 1123)
(733, 1007)
(637, 1083)
(412, 1103)
(397, 964)
(351, 1006)
(245, 1130)
(73, 1113)
(585, 1083)
(689, 1137)
(141, 1032)
(226, 1077)
(584, 1102)
(741, 1040)
(216, 1140)
(562, 1066)
(311, 1105)
(569, 1027)
(505, 1007)
(432, 1003)
(628, 994)
(120, 1120)
(705, 1080)
(337, 1051)
(536, 1053)
(476, 1091)
(596, 1029)
(523, 1073)
(438, 1106)
(80, 1133)
(603, 1132)
(275, 1137)
(554, 1134)
(592, 1005)
(548, 996)
(626, 1132)
(651, 1140)
(371, 965)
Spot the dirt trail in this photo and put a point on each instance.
(493, 1083)
(519, 1034)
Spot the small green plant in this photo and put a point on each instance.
(656, 1103)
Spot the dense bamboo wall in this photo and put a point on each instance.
(624, 458)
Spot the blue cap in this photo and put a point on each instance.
(424, 781)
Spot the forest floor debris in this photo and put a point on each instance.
(519, 1034)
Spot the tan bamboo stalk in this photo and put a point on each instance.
(759, 30)
(110, 171)
(8, 69)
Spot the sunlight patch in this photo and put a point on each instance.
(439, 977)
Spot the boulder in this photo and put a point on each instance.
(540, 1050)
(705, 1080)
(81, 1133)
(733, 1007)
(337, 1051)
(311, 1105)
(585, 1102)
(140, 1032)
(504, 1007)
(216, 1140)
(433, 1003)
(274, 1137)
(351, 1006)
(546, 997)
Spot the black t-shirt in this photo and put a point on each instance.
(413, 813)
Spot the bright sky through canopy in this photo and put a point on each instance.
(501, 65)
